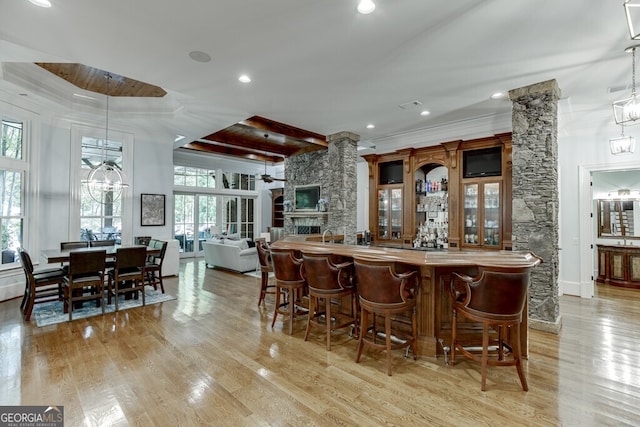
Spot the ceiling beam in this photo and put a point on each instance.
(231, 151)
(269, 125)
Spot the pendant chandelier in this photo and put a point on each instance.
(632, 11)
(627, 111)
(622, 144)
(106, 180)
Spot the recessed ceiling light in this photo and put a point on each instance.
(244, 78)
(199, 56)
(41, 3)
(425, 113)
(370, 126)
(498, 95)
(365, 7)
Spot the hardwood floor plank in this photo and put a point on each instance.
(210, 357)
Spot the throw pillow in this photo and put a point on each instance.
(251, 243)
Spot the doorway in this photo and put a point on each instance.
(195, 222)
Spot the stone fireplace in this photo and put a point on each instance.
(308, 222)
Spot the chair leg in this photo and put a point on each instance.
(277, 306)
(327, 317)
(516, 356)
(292, 309)
(312, 314)
(264, 281)
(387, 332)
(414, 333)
(138, 283)
(160, 281)
(364, 326)
(485, 355)
(454, 334)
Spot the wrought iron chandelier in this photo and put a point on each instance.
(106, 180)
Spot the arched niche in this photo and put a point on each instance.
(431, 213)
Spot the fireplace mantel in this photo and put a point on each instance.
(306, 214)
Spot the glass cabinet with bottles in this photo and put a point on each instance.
(389, 213)
(482, 214)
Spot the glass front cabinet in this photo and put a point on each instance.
(482, 214)
(389, 213)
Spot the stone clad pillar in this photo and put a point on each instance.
(341, 166)
(535, 194)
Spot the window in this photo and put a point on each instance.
(110, 217)
(194, 177)
(238, 181)
(12, 175)
(100, 219)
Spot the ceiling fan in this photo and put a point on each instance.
(266, 177)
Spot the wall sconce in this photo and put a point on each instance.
(632, 10)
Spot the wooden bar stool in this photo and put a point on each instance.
(385, 292)
(266, 267)
(289, 282)
(328, 280)
(496, 298)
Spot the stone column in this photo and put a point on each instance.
(341, 167)
(535, 194)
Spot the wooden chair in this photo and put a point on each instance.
(65, 246)
(128, 275)
(86, 273)
(496, 298)
(266, 267)
(102, 243)
(329, 281)
(153, 266)
(387, 289)
(41, 286)
(289, 282)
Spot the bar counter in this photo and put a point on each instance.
(434, 299)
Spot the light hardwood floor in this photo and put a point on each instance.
(211, 358)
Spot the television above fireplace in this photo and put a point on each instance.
(306, 197)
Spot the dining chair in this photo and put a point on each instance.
(390, 290)
(85, 274)
(290, 285)
(329, 280)
(153, 266)
(41, 286)
(496, 298)
(128, 274)
(266, 267)
(65, 246)
(101, 243)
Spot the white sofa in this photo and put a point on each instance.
(229, 254)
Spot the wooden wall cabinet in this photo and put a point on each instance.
(478, 208)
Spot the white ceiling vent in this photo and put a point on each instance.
(409, 105)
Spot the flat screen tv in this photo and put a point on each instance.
(307, 197)
(483, 162)
(391, 172)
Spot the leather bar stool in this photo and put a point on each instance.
(266, 267)
(387, 289)
(290, 285)
(496, 298)
(327, 281)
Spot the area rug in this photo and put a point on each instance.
(51, 313)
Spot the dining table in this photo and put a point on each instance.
(53, 256)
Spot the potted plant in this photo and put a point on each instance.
(323, 204)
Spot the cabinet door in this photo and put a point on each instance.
(491, 214)
(396, 213)
(471, 213)
(383, 214)
(390, 213)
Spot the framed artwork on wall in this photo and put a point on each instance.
(152, 209)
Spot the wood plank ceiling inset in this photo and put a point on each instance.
(93, 79)
(246, 139)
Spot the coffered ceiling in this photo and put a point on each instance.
(320, 66)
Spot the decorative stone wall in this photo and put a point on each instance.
(535, 194)
(334, 170)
